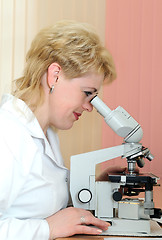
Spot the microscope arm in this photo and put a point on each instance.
(82, 177)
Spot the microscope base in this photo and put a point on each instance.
(129, 226)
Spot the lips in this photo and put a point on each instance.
(77, 115)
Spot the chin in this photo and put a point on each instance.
(67, 127)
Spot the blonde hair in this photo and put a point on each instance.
(74, 46)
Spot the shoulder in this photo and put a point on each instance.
(11, 127)
(16, 141)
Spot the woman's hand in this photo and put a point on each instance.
(70, 221)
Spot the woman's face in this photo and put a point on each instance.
(71, 97)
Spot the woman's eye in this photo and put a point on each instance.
(87, 93)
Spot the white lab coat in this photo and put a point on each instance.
(33, 179)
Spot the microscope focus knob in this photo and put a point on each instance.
(117, 196)
(85, 195)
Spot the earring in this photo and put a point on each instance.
(51, 89)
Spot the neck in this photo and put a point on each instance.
(41, 114)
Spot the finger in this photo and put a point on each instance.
(83, 229)
(116, 169)
(91, 220)
(100, 223)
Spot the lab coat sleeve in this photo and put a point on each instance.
(30, 229)
(13, 173)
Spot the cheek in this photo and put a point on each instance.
(59, 108)
(62, 117)
(66, 100)
(71, 101)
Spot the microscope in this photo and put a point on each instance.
(115, 200)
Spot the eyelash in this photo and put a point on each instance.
(87, 93)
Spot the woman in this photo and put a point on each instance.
(65, 67)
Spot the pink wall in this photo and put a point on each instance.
(134, 37)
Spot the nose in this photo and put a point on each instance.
(87, 106)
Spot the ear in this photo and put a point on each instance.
(53, 74)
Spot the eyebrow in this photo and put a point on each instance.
(94, 89)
